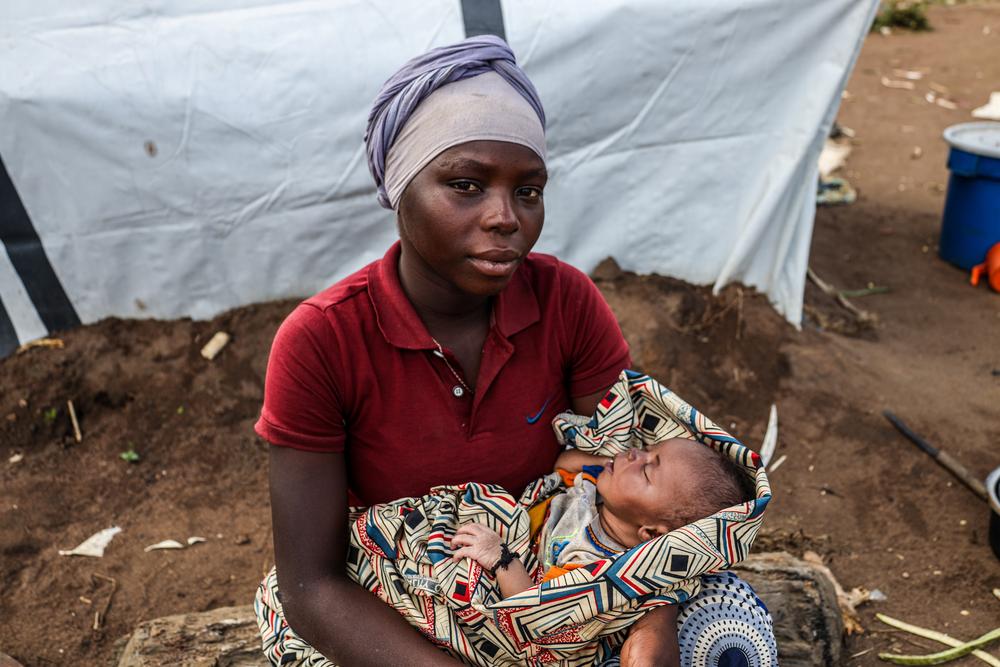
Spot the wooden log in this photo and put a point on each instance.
(225, 636)
(801, 600)
(803, 604)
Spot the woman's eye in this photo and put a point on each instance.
(464, 186)
(645, 472)
(530, 193)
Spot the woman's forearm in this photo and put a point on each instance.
(350, 626)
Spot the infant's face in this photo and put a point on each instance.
(638, 485)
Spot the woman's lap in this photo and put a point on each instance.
(724, 625)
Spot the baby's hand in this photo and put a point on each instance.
(478, 543)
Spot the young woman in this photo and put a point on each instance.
(443, 362)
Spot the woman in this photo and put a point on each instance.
(443, 362)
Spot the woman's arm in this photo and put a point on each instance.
(653, 640)
(340, 619)
(572, 460)
(587, 405)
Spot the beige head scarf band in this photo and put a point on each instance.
(484, 107)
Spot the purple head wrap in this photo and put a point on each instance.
(421, 76)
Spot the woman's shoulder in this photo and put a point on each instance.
(342, 291)
(319, 315)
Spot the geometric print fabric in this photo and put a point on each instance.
(400, 551)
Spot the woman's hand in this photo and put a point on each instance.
(653, 640)
(477, 542)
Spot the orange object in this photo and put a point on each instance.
(991, 267)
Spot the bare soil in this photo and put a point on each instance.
(851, 488)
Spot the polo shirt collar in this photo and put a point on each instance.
(515, 308)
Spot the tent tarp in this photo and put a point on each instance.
(179, 158)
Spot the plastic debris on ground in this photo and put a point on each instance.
(174, 544)
(833, 157)
(940, 100)
(215, 345)
(990, 110)
(834, 192)
(899, 85)
(42, 342)
(770, 440)
(94, 545)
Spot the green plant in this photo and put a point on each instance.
(905, 14)
(50, 414)
(130, 454)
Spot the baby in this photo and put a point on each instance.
(613, 505)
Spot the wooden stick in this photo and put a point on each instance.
(867, 291)
(76, 425)
(831, 291)
(99, 616)
(944, 458)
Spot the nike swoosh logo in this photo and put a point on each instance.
(538, 415)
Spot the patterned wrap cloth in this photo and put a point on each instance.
(400, 551)
(420, 76)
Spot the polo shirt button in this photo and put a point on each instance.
(457, 391)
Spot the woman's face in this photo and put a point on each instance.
(473, 213)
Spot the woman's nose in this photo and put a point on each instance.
(500, 216)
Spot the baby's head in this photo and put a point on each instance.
(668, 485)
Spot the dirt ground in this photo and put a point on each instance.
(881, 513)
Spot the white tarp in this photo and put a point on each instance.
(182, 157)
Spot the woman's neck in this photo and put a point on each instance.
(438, 303)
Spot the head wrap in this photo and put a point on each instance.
(419, 78)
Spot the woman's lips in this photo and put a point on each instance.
(497, 265)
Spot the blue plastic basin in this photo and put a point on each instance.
(971, 223)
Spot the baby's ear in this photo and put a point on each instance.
(647, 533)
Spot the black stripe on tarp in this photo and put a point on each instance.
(8, 337)
(30, 261)
(483, 17)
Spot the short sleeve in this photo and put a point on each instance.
(302, 407)
(598, 349)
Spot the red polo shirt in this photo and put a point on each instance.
(353, 369)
